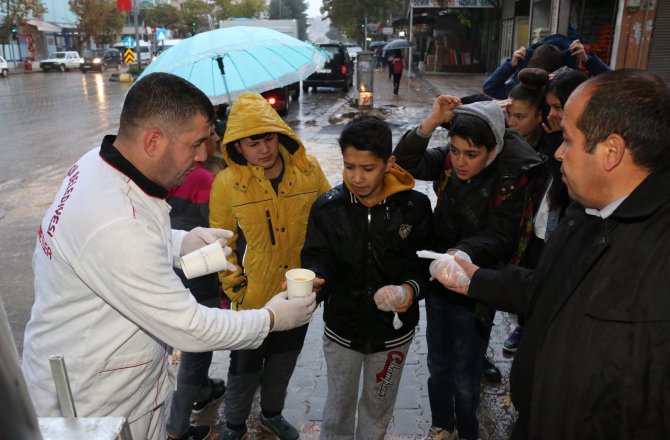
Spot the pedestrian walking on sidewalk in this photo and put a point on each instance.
(106, 295)
(595, 355)
(265, 196)
(361, 242)
(482, 200)
(397, 65)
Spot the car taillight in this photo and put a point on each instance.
(272, 100)
(344, 69)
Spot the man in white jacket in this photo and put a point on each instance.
(106, 297)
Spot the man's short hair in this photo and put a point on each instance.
(474, 130)
(368, 133)
(634, 104)
(164, 99)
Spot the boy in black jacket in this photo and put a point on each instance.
(362, 239)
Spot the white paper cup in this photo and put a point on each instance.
(299, 283)
(208, 259)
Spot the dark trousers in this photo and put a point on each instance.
(456, 344)
(271, 366)
(192, 378)
(396, 82)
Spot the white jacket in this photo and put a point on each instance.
(107, 299)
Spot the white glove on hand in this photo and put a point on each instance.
(200, 237)
(388, 298)
(448, 272)
(290, 313)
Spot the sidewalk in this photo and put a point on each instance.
(308, 387)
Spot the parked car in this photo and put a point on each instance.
(353, 51)
(338, 72)
(279, 98)
(64, 60)
(100, 60)
(4, 68)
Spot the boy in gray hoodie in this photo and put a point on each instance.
(482, 199)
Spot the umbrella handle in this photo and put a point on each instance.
(219, 61)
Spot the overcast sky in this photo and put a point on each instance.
(313, 9)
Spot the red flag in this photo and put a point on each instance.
(124, 5)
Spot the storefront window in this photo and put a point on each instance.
(592, 22)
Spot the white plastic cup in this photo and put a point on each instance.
(299, 283)
(208, 259)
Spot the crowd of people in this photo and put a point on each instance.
(553, 200)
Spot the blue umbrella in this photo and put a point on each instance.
(377, 43)
(226, 62)
(398, 43)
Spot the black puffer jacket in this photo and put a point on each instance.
(357, 250)
(482, 216)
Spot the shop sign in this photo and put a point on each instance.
(451, 4)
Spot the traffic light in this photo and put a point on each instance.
(14, 32)
(362, 23)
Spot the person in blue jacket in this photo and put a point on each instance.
(566, 52)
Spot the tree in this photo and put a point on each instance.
(98, 19)
(194, 14)
(164, 16)
(345, 15)
(16, 12)
(248, 8)
(290, 9)
(226, 9)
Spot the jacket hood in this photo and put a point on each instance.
(250, 115)
(491, 113)
(517, 155)
(396, 180)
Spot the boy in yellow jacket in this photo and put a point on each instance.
(264, 197)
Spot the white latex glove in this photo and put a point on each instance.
(199, 237)
(445, 269)
(388, 298)
(290, 314)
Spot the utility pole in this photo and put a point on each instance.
(137, 36)
(365, 36)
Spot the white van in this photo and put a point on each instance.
(163, 45)
(145, 52)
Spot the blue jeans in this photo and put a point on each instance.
(456, 345)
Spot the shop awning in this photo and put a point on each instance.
(44, 26)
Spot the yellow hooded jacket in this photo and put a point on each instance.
(274, 224)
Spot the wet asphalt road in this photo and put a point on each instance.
(47, 121)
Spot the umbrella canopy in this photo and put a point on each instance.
(226, 62)
(377, 43)
(398, 44)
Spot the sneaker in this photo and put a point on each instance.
(489, 371)
(233, 434)
(279, 427)
(195, 432)
(218, 390)
(437, 433)
(511, 344)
